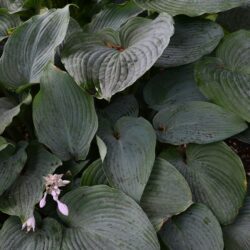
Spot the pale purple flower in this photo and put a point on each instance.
(29, 224)
(52, 184)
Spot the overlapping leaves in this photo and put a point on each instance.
(108, 62)
(215, 175)
(225, 79)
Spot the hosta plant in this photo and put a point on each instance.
(124, 125)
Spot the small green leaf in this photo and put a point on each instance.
(195, 229)
(101, 217)
(130, 154)
(166, 194)
(196, 122)
(64, 115)
(215, 175)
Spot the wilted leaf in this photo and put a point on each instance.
(195, 229)
(64, 115)
(215, 175)
(108, 62)
(130, 154)
(166, 194)
(101, 217)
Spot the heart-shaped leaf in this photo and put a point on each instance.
(120, 57)
(63, 105)
(7, 23)
(101, 217)
(94, 175)
(27, 190)
(48, 236)
(166, 194)
(215, 175)
(11, 167)
(189, 7)
(236, 235)
(196, 122)
(31, 47)
(193, 38)
(9, 109)
(195, 229)
(114, 16)
(172, 86)
(235, 19)
(130, 154)
(225, 79)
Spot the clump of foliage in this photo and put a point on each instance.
(120, 124)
